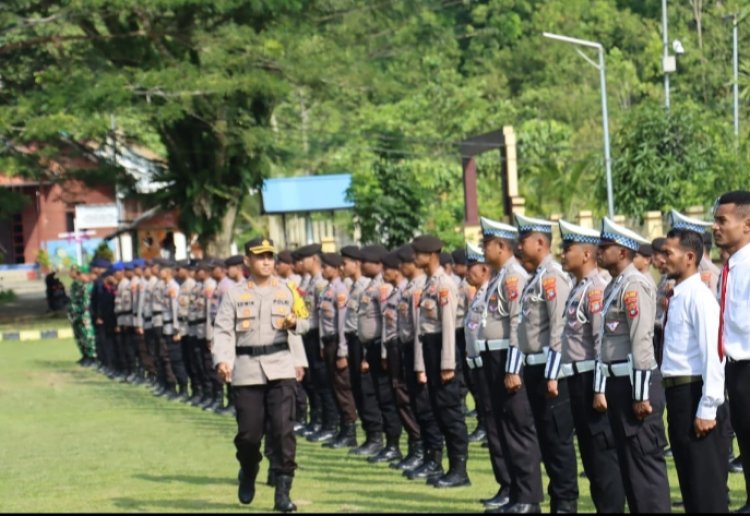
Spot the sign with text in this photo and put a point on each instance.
(90, 216)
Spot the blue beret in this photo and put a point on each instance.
(139, 262)
(118, 266)
(128, 266)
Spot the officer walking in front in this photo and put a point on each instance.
(539, 346)
(628, 373)
(435, 358)
(583, 325)
(252, 347)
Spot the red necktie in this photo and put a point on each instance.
(724, 274)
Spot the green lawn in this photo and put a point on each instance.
(72, 440)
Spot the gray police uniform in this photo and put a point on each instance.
(248, 336)
(583, 323)
(124, 314)
(333, 341)
(517, 442)
(172, 328)
(370, 329)
(629, 373)
(539, 334)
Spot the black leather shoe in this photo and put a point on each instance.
(281, 501)
(478, 435)
(246, 490)
(413, 459)
(196, 399)
(387, 454)
(347, 438)
(323, 436)
(271, 480)
(371, 446)
(310, 429)
(736, 465)
(668, 452)
(516, 508)
(501, 498)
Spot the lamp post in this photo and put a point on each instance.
(605, 117)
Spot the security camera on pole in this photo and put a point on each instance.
(669, 62)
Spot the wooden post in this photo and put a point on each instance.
(652, 225)
(471, 208)
(586, 219)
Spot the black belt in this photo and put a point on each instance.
(196, 322)
(147, 319)
(124, 313)
(257, 351)
(182, 319)
(676, 381)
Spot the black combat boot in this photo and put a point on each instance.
(563, 506)
(501, 498)
(391, 452)
(314, 426)
(456, 476)
(372, 446)
(432, 467)
(478, 435)
(197, 398)
(412, 460)
(347, 437)
(281, 501)
(183, 391)
(246, 491)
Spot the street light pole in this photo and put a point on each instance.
(605, 115)
(665, 41)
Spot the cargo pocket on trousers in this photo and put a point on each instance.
(650, 440)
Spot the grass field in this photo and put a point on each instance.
(72, 440)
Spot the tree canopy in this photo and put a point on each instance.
(232, 91)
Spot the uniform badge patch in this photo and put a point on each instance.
(596, 297)
(246, 324)
(511, 285)
(444, 295)
(550, 288)
(631, 303)
(341, 300)
(364, 300)
(383, 292)
(246, 312)
(416, 297)
(613, 325)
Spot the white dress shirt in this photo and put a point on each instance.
(737, 306)
(691, 342)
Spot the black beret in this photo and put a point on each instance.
(646, 250)
(391, 260)
(168, 264)
(237, 259)
(735, 197)
(206, 264)
(332, 259)
(307, 251)
(405, 253)
(373, 253)
(182, 264)
(657, 244)
(351, 251)
(427, 244)
(260, 245)
(445, 259)
(217, 262)
(459, 256)
(285, 256)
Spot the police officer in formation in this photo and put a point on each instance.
(313, 343)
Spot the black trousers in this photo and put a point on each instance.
(419, 397)
(554, 428)
(176, 360)
(213, 384)
(102, 346)
(400, 391)
(341, 381)
(383, 391)
(738, 391)
(197, 359)
(125, 350)
(461, 375)
(363, 388)
(516, 430)
(312, 352)
(596, 445)
(701, 464)
(484, 412)
(256, 404)
(640, 445)
(447, 404)
(300, 402)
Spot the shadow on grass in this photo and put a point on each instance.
(133, 504)
(188, 479)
